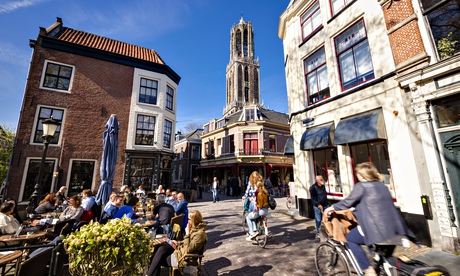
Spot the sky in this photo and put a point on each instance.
(191, 36)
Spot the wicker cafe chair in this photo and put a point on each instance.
(175, 232)
(37, 265)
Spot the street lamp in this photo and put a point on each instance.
(49, 129)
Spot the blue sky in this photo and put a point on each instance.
(192, 37)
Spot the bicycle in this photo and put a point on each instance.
(335, 258)
(262, 229)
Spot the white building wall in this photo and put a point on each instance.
(158, 111)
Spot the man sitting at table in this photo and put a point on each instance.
(73, 211)
(111, 208)
(172, 200)
(182, 208)
(128, 209)
(162, 214)
(8, 224)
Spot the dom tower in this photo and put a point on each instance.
(242, 70)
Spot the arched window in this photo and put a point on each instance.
(256, 85)
(238, 42)
(245, 42)
(240, 83)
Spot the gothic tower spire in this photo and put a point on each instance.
(243, 69)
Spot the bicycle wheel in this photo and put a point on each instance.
(329, 261)
(263, 235)
(244, 223)
(288, 202)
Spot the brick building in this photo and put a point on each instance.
(187, 156)
(81, 79)
(378, 81)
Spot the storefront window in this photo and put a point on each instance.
(141, 172)
(32, 174)
(326, 164)
(81, 176)
(377, 153)
(447, 111)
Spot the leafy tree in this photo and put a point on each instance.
(6, 148)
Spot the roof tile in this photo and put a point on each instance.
(107, 44)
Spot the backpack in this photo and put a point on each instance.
(271, 202)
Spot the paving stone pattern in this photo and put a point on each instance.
(289, 251)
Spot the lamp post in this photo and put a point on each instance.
(49, 129)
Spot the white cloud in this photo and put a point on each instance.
(11, 54)
(130, 19)
(7, 6)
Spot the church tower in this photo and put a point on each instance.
(243, 70)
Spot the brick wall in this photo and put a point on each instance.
(406, 41)
(99, 89)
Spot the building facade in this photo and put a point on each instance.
(348, 70)
(187, 156)
(248, 137)
(80, 79)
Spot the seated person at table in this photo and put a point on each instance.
(140, 192)
(48, 204)
(162, 213)
(73, 211)
(182, 208)
(172, 200)
(111, 208)
(128, 209)
(60, 196)
(171, 253)
(87, 199)
(8, 224)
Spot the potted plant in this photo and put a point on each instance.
(117, 247)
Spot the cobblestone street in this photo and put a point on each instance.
(289, 251)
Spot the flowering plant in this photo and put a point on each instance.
(101, 249)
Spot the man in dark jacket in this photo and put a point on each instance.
(319, 200)
(162, 213)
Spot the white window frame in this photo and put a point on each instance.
(140, 77)
(171, 142)
(24, 177)
(34, 127)
(70, 171)
(155, 130)
(173, 98)
(42, 79)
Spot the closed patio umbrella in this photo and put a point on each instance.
(109, 160)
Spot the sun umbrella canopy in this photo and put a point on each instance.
(109, 160)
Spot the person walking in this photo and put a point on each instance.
(214, 190)
(194, 188)
(319, 200)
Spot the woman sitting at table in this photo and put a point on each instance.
(193, 243)
(48, 204)
(73, 211)
(8, 224)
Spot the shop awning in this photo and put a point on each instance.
(317, 137)
(289, 146)
(364, 127)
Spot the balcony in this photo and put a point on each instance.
(251, 152)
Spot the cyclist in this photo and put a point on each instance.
(259, 209)
(378, 219)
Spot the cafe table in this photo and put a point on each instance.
(8, 257)
(25, 238)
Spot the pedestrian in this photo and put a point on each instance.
(214, 190)
(268, 185)
(319, 200)
(194, 188)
